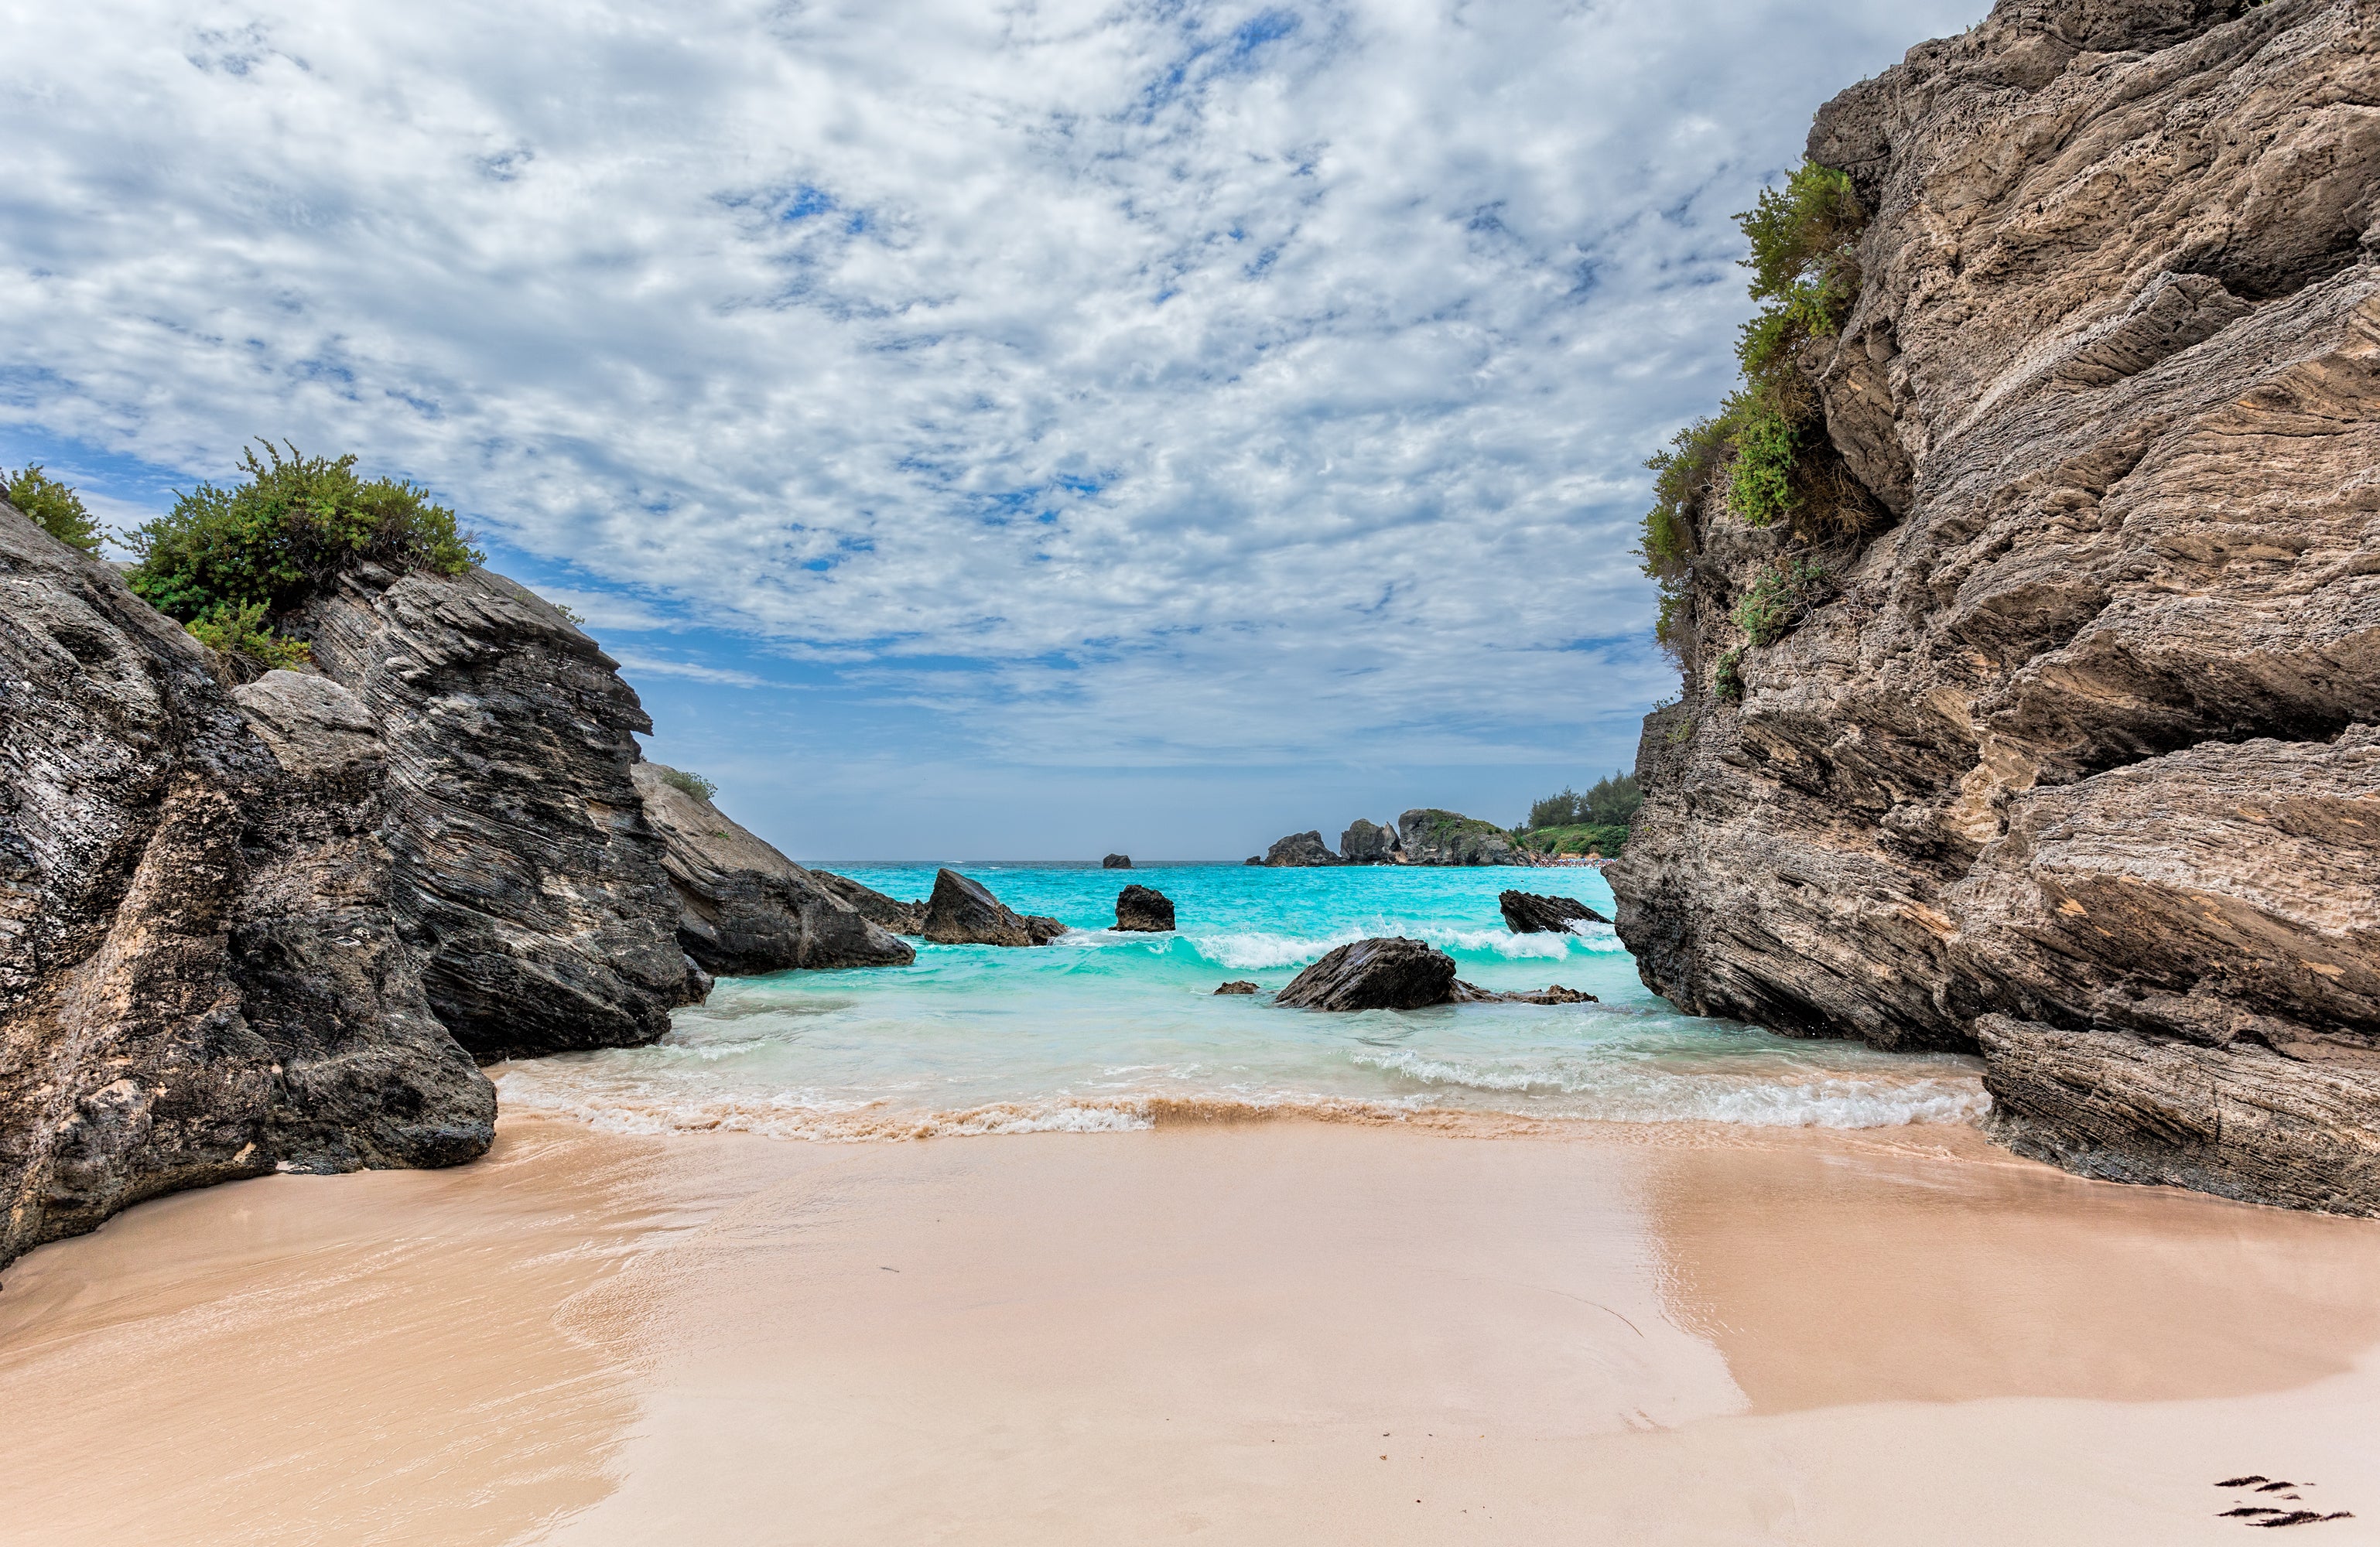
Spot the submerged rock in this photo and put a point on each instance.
(1528, 913)
(1116, 862)
(1554, 994)
(527, 876)
(2073, 763)
(1300, 849)
(1429, 836)
(1382, 973)
(900, 918)
(201, 976)
(963, 912)
(1240, 986)
(1369, 843)
(1144, 909)
(743, 907)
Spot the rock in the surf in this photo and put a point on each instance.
(902, 918)
(1116, 862)
(963, 912)
(1300, 849)
(744, 907)
(1552, 994)
(1144, 909)
(1240, 986)
(1528, 913)
(1367, 842)
(1381, 973)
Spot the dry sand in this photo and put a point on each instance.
(1287, 1332)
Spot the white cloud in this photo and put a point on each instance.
(1222, 379)
(638, 665)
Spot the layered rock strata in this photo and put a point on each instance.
(743, 907)
(900, 918)
(200, 973)
(528, 877)
(1528, 913)
(1144, 910)
(963, 912)
(2076, 767)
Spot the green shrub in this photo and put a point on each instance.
(1609, 802)
(1779, 597)
(1760, 484)
(54, 507)
(283, 533)
(240, 631)
(1727, 675)
(693, 784)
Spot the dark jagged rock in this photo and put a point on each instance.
(1144, 909)
(900, 918)
(1116, 862)
(2076, 767)
(1300, 849)
(1253, 859)
(199, 971)
(1389, 974)
(963, 912)
(1528, 913)
(1366, 842)
(1240, 986)
(1427, 836)
(1554, 994)
(743, 907)
(527, 876)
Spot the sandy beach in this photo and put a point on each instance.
(1270, 1332)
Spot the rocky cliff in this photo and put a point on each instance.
(200, 974)
(2070, 762)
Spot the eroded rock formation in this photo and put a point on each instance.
(900, 918)
(1386, 974)
(1429, 836)
(1144, 910)
(2075, 770)
(1528, 913)
(743, 907)
(963, 912)
(1367, 842)
(1300, 849)
(1116, 862)
(200, 974)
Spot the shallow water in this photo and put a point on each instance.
(1102, 1030)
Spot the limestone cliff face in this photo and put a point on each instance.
(528, 878)
(2077, 768)
(201, 976)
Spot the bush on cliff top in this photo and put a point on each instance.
(230, 563)
(693, 784)
(55, 507)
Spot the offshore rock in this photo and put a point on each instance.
(199, 971)
(1238, 986)
(963, 912)
(1429, 836)
(1366, 842)
(527, 876)
(743, 907)
(1144, 909)
(900, 918)
(1381, 973)
(2077, 768)
(1116, 862)
(1553, 993)
(1527, 914)
(1300, 849)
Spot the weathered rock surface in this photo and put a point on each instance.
(963, 912)
(1116, 862)
(1238, 986)
(1528, 913)
(1386, 974)
(900, 918)
(527, 876)
(1366, 842)
(199, 971)
(743, 907)
(2076, 769)
(1300, 849)
(1144, 909)
(1466, 993)
(1429, 836)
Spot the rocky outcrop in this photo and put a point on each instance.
(1116, 862)
(527, 876)
(200, 977)
(1429, 836)
(900, 918)
(1238, 986)
(1144, 910)
(744, 907)
(1527, 914)
(2073, 766)
(1389, 974)
(1553, 993)
(963, 912)
(1300, 849)
(1366, 842)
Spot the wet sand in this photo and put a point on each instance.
(1271, 1331)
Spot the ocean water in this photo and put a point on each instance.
(1102, 1030)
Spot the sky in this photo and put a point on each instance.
(979, 431)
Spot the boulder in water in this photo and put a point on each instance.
(1526, 913)
(1241, 987)
(1144, 909)
(1300, 849)
(963, 912)
(1116, 862)
(1381, 973)
(1552, 994)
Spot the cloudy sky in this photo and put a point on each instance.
(981, 432)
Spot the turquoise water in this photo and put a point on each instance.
(1102, 1030)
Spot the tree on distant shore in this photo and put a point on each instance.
(1610, 801)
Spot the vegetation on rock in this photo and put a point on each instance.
(55, 507)
(693, 784)
(1779, 597)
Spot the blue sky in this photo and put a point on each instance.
(980, 431)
